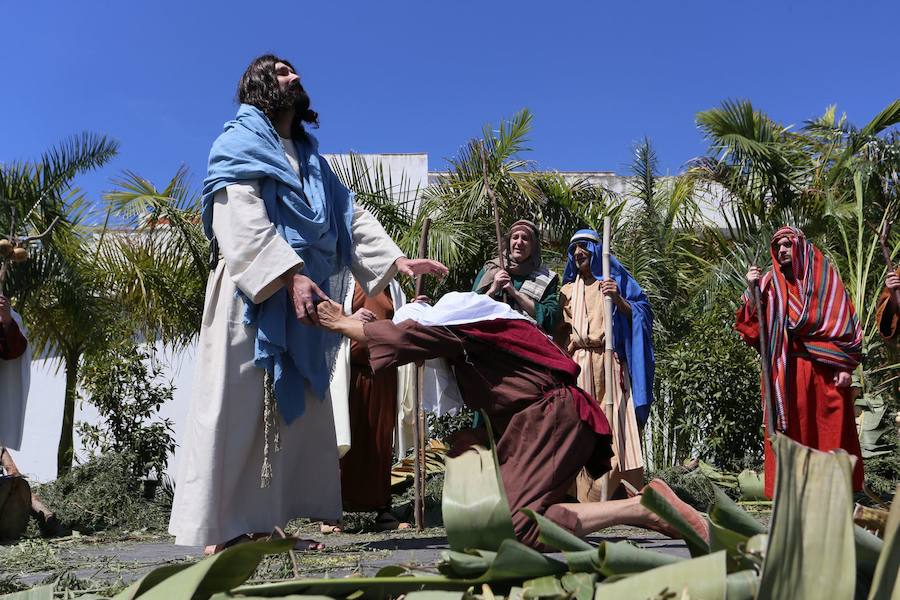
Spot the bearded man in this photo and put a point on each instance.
(814, 344)
(260, 443)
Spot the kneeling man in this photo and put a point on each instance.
(547, 428)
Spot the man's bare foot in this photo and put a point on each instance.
(388, 522)
(309, 545)
(692, 516)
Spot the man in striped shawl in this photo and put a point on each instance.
(814, 344)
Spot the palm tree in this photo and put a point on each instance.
(56, 289)
(157, 263)
(557, 205)
(835, 181)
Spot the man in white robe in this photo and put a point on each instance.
(219, 497)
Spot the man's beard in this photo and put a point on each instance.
(295, 97)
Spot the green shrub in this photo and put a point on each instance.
(123, 383)
(104, 494)
(708, 401)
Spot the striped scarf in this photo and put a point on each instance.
(816, 312)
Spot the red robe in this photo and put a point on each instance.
(12, 342)
(366, 468)
(547, 428)
(821, 414)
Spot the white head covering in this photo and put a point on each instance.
(15, 379)
(441, 393)
(456, 308)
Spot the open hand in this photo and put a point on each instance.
(304, 293)
(420, 266)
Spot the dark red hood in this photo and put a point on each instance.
(524, 340)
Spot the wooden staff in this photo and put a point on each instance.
(419, 441)
(493, 198)
(764, 361)
(608, 407)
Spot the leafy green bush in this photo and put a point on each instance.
(883, 473)
(441, 428)
(103, 494)
(123, 384)
(708, 397)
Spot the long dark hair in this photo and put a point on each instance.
(259, 87)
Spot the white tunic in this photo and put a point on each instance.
(15, 376)
(340, 387)
(218, 494)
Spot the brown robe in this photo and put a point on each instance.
(12, 342)
(542, 442)
(366, 468)
(887, 315)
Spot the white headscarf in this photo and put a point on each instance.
(456, 308)
(441, 393)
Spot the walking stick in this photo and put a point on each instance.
(496, 209)
(608, 407)
(419, 442)
(764, 361)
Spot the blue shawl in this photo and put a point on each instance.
(313, 213)
(634, 337)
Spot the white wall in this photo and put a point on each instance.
(43, 415)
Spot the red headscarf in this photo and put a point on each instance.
(817, 313)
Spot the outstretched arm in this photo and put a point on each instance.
(392, 345)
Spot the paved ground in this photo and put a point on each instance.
(124, 560)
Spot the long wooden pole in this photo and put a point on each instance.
(419, 429)
(764, 361)
(493, 198)
(501, 259)
(608, 407)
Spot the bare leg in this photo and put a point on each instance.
(585, 518)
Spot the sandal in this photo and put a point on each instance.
(329, 527)
(388, 522)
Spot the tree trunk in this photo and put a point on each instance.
(66, 452)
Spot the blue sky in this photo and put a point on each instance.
(421, 75)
